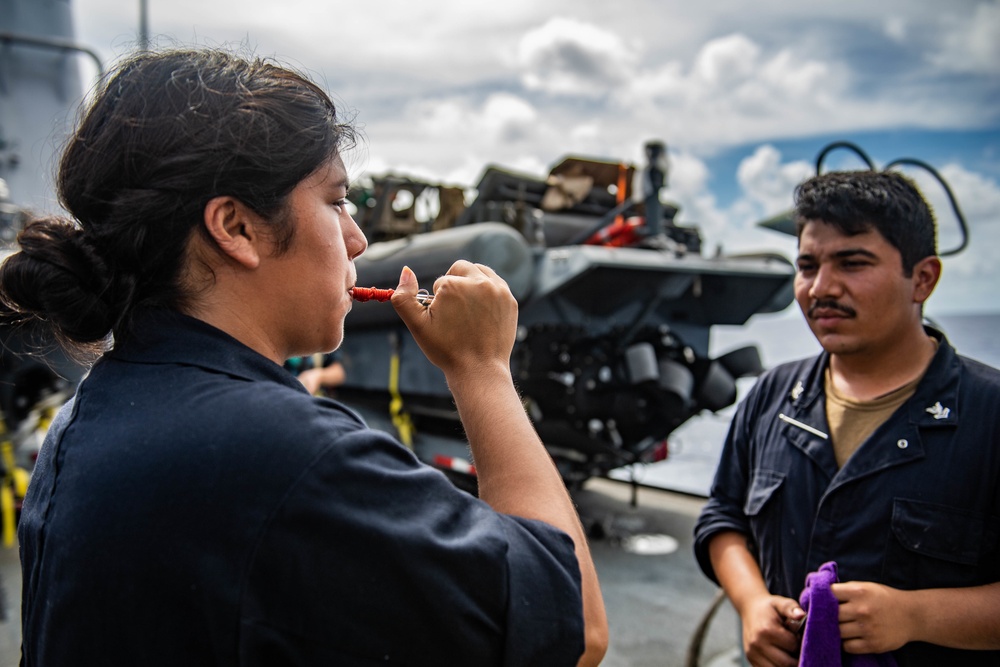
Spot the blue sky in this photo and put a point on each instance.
(745, 95)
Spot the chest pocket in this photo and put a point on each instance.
(763, 509)
(940, 546)
(763, 486)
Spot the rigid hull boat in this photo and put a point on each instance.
(616, 304)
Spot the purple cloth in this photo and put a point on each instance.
(821, 637)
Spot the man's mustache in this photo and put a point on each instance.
(830, 305)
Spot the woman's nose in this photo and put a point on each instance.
(357, 243)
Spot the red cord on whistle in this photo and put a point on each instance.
(371, 294)
(362, 294)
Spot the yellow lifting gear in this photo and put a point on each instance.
(400, 418)
(12, 488)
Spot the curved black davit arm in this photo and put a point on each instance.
(913, 162)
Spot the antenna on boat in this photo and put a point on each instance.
(143, 25)
(784, 222)
(963, 227)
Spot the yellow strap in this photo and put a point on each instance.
(20, 481)
(7, 452)
(7, 512)
(400, 418)
(8, 518)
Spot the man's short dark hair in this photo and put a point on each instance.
(855, 202)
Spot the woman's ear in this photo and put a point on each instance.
(234, 228)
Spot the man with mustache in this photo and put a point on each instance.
(881, 454)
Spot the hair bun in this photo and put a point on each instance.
(57, 277)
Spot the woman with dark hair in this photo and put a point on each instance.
(193, 504)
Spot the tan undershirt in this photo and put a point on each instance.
(851, 422)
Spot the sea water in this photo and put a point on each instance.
(695, 447)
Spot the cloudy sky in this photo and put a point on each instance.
(744, 94)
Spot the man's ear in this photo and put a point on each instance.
(234, 228)
(926, 274)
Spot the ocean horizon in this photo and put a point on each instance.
(695, 447)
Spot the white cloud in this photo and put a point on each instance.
(502, 128)
(735, 91)
(768, 183)
(508, 118)
(636, 71)
(979, 200)
(726, 62)
(500, 118)
(793, 79)
(730, 68)
(969, 280)
(688, 186)
(895, 28)
(765, 189)
(567, 56)
(973, 45)
(586, 132)
(979, 196)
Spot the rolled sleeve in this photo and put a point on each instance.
(724, 509)
(715, 518)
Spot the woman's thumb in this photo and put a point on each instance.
(407, 281)
(404, 296)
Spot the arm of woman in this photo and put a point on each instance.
(468, 332)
